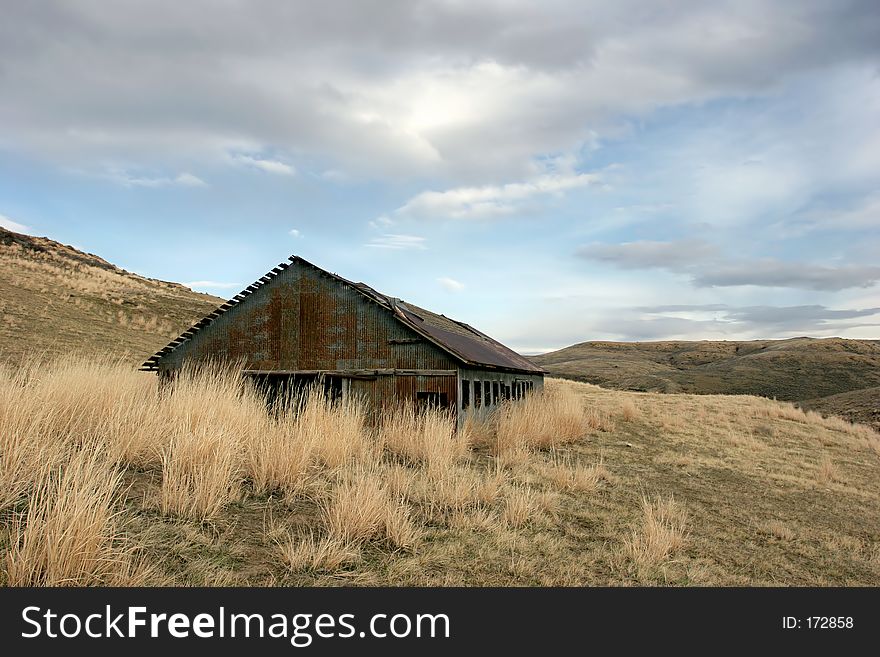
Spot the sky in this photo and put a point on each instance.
(549, 172)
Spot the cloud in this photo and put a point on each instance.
(674, 256)
(397, 242)
(490, 200)
(706, 266)
(14, 226)
(769, 272)
(703, 322)
(764, 320)
(796, 315)
(682, 308)
(450, 284)
(269, 166)
(293, 232)
(659, 328)
(382, 221)
(863, 214)
(212, 284)
(129, 180)
(464, 90)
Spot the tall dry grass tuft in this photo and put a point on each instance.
(571, 476)
(541, 421)
(827, 472)
(99, 397)
(304, 429)
(327, 554)
(200, 473)
(279, 459)
(71, 400)
(663, 531)
(26, 446)
(69, 535)
(478, 429)
(521, 507)
(210, 415)
(426, 437)
(629, 411)
(362, 509)
(336, 431)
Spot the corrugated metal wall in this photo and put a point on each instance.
(303, 320)
(385, 391)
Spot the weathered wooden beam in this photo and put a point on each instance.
(354, 372)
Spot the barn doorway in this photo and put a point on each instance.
(283, 388)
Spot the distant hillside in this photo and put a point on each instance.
(55, 299)
(793, 370)
(857, 405)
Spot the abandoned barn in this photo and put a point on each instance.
(300, 325)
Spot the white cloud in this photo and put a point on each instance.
(14, 226)
(212, 284)
(450, 284)
(491, 200)
(646, 254)
(381, 222)
(397, 242)
(269, 166)
(127, 179)
(293, 232)
(189, 180)
(472, 91)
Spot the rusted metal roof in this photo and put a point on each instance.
(460, 340)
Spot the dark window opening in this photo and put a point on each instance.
(507, 391)
(333, 388)
(478, 394)
(465, 393)
(285, 390)
(432, 399)
(495, 387)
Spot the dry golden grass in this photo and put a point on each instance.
(827, 472)
(662, 532)
(778, 530)
(542, 420)
(629, 411)
(279, 459)
(411, 501)
(200, 474)
(69, 535)
(335, 432)
(319, 554)
(521, 506)
(575, 477)
(362, 509)
(425, 437)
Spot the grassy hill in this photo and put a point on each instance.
(55, 299)
(857, 405)
(798, 369)
(579, 485)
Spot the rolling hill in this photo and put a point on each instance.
(55, 299)
(798, 369)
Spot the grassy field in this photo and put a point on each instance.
(56, 300)
(105, 479)
(798, 369)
